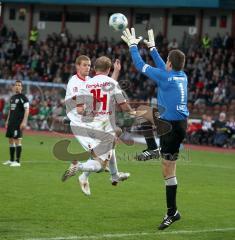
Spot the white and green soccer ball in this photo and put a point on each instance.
(118, 22)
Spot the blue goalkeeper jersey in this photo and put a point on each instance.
(172, 85)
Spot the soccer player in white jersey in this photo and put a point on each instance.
(77, 87)
(96, 108)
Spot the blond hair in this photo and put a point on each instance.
(81, 58)
(103, 64)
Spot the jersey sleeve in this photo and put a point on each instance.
(82, 96)
(118, 94)
(158, 75)
(157, 59)
(25, 102)
(71, 99)
(69, 91)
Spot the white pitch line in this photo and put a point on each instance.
(122, 235)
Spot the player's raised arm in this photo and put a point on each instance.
(116, 69)
(155, 74)
(153, 51)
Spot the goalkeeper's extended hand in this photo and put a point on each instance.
(150, 42)
(129, 37)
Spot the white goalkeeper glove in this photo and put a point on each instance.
(150, 42)
(129, 37)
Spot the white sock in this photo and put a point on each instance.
(90, 166)
(113, 164)
(85, 175)
(171, 181)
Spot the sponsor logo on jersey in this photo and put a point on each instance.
(98, 85)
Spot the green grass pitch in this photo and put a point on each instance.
(35, 204)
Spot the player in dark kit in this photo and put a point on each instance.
(15, 123)
(172, 97)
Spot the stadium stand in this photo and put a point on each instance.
(210, 67)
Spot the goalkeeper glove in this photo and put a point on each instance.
(150, 42)
(129, 37)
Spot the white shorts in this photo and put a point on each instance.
(96, 138)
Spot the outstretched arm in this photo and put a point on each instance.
(157, 58)
(142, 111)
(155, 74)
(153, 51)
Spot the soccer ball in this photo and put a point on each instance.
(118, 21)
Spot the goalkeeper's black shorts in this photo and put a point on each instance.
(172, 134)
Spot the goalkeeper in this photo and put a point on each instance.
(172, 97)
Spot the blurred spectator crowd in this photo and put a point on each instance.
(210, 66)
(47, 108)
(220, 133)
